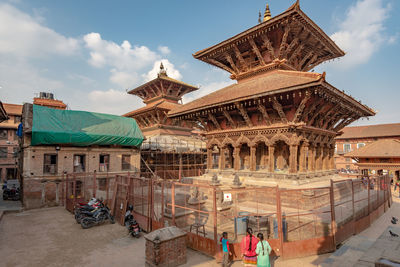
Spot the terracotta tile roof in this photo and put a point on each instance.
(161, 104)
(379, 130)
(165, 78)
(293, 11)
(13, 109)
(53, 103)
(383, 148)
(275, 80)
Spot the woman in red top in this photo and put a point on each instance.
(249, 245)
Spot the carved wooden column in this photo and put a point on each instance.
(253, 158)
(324, 156)
(271, 160)
(221, 163)
(303, 158)
(318, 157)
(236, 158)
(209, 158)
(293, 158)
(311, 158)
(332, 158)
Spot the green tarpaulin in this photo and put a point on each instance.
(81, 128)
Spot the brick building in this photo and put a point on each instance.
(356, 137)
(9, 142)
(57, 141)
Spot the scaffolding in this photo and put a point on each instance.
(169, 157)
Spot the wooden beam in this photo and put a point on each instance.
(178, 91)
(240, 58)
(316, 63)
(264, 113)
(328, 117)
(144, 122)
(164, 119)
(307, 115)
(202, 121)
(292, 44)
(154, 118)
(300, 108)
(269, 46)
(244, 114)
(221, 65)
(312, 60)
(284, 41)
(162, 87)
(316, 113)
(344, 123)
(214, 120)
(229, 118)
(296, 52)
(278, 107)
(229, 59)
(309, 55)
(256, 51)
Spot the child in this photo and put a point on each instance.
(225, 249)
(263, 249)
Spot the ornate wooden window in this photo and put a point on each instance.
(50, 164)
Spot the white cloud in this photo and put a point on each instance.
(170, 68)
(112, 101)
(164, 50)
(362, 32)
(24, 37)
(124, 60)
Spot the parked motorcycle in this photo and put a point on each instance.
(98, 216)
(133, 226)
(11, 190)
(86, 209)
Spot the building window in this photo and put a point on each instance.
(104, 163)
(126, 162)
(360, 145)
(3, 134)
(3, 152)
(346, 148)
(17, 119)
(347, 167)
(79, 163)
(347, 159)
(50, 164)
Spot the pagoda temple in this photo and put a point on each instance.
(279, 120)
(169, 145)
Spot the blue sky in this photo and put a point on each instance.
(89, 52)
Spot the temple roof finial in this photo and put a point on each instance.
(162, 72)
(267, 13)
(259, 17)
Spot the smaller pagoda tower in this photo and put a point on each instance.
(160, 95)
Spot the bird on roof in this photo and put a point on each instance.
(393, 234)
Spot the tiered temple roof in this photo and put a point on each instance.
(289, 41)
(160, 95)
(278, 117)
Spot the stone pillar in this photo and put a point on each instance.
(293, 159)
(209, 158)
(236, 158)
(271, 160)
(253, 158)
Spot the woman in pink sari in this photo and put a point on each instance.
(249, 245)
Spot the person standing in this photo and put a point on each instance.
(263, 250)
(248, 246)
(225, 249)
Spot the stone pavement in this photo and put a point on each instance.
(358, 246)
